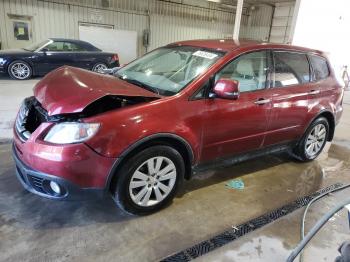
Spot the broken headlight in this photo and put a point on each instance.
(71, 132)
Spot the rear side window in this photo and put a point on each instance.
(290, 69)
(73, 47)
(320, 67)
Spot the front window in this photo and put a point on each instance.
(250, 70)
(168, 70)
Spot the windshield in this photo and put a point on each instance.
(35, 46)
(168, 70)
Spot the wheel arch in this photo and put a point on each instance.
(175, 141)
(331, 121)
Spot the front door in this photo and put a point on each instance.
(54, 55)
(238, 126)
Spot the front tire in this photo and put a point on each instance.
(148, 181)
(20, 70)
(313, 141)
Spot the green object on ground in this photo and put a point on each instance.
(236, 184)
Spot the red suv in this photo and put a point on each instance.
(180, 108)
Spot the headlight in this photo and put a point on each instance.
(71, 132)
(2, 61)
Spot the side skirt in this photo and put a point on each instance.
(225, 162)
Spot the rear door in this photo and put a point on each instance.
(291, 89)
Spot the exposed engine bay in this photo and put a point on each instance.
(32, 114)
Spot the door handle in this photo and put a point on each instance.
(262, 101)
(314, 92)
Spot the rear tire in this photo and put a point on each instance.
(148, 181)
(313, 141)
(99, 67)
(20, 70)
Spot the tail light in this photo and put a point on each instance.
(115, 57)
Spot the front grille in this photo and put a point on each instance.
(29, 118)
(21, 121)
(37, 183)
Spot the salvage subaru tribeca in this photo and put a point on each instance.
(181, 108)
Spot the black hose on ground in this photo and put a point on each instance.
(302, 231)
(315, 229)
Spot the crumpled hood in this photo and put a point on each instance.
(70, 90)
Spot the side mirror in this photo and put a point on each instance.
(44, 50)
(226, 88)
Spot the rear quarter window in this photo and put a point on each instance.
(319, 67)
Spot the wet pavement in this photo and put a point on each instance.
(275, 241)
(37, 229)
(33, 228)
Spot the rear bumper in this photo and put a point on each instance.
(38, 183)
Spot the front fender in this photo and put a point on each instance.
(124, 127)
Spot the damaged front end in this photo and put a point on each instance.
(32, 114)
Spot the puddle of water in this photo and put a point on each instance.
(298, 178)
(262, 248)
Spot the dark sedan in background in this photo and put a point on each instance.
(52, 53)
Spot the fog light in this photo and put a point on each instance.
(55, 187)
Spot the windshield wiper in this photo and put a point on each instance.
(140, 84)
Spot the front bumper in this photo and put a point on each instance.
(76, 168)
(38, 183)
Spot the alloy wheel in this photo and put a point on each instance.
(99, 68)
(20, 70)
(152, 181)
(315, 140)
